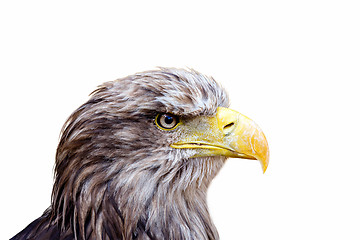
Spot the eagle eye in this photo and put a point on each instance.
(167, 121)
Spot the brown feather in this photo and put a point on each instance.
(116, 176)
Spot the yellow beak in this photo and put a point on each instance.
(229, 134)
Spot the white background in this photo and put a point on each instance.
(292, 66)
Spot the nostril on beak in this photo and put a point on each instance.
(228, 128)
(229, 125)
(227, 120)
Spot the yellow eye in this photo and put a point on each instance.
(167, 121)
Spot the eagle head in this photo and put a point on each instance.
(135, 161)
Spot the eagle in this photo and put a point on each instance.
(136, 160)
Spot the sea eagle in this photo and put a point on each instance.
(135, 161)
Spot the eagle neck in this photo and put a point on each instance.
(171, 204)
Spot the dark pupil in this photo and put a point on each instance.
(169, 119)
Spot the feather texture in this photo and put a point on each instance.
(116, 176)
